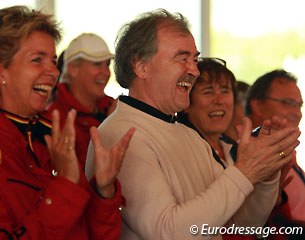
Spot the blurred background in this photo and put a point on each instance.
(254, 37)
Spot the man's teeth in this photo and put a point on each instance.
(42, 89)
(217, 113)
(184, 84)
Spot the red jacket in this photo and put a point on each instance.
(64, 101)
(274, 220)
(36, 205)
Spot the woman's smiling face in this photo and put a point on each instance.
(212, 105)
(31, 76)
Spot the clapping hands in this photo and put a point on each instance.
(107, 162)
(262, 157)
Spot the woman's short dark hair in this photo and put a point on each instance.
(214, 70)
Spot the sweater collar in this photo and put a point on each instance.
(147, 109)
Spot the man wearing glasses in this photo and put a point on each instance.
(277, 93)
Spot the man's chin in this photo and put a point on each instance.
(183, 106)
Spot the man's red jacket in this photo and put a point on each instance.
(64, 102)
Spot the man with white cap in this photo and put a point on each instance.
(84, 77)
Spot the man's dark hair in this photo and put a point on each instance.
(138, 40)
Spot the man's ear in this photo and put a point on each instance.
(140, 69)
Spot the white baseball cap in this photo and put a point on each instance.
(88, 46)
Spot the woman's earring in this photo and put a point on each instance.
(3, 82)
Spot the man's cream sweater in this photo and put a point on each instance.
(171, 181)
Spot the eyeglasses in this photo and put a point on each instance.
(287, 102)
(212, 59)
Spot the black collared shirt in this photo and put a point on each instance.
(147, 109)
(32, 129)
(36, 127)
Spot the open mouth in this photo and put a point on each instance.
(216, 114)
(184, 86)
(42, 89)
